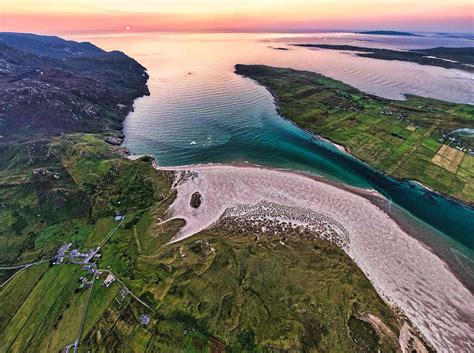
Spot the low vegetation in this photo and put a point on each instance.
(61, 194)
(217, 291)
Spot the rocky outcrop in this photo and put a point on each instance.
(195, 201)
(113, 140)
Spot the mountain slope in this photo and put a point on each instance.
(59, 92)
(50, 46)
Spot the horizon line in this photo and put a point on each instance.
(238, 30)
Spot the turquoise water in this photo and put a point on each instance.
(267, 139)
(200, 111)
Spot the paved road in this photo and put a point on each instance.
(83, 319)
(21, 267)
(24, 265)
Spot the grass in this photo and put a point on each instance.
(75, 231)
(296, 297)
(211, 291)
(16, 292)
(101, 299)
(401, 138)
(262, 295)
(41, 310)
(250, 296)
(39, 212)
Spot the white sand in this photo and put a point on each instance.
(402, 270)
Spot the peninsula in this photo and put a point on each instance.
(389, 33)
(406, 139)
(449, 58)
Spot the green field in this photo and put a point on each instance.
(304, 296)
(398, 137)
(46, 320)
(40, 212)
(214, 292)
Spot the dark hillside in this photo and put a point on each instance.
(50, 86)
(50, 46)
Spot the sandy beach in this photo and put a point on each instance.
(403, 271)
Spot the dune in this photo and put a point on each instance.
(403, 271)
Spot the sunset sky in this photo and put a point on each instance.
(95, 16)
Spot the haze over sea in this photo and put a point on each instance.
(200, 111)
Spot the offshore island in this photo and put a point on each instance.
(105, 251)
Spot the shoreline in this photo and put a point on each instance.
(378, 244)
(319, 178)
(417, 229)
(344, 149)
(373, 196)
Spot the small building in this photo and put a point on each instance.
(144, 319)
(118, 217)
(109, 280)
(61, 253)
